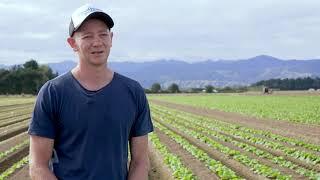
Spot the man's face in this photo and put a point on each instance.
(92, 42)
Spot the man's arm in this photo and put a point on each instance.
(139, 164)
(40, 153)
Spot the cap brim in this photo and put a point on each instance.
(95, 15)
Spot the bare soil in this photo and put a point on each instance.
(308, 133)
(287, 144)
(15, 107)
(15, 114)
(14, 121)
(8, 161)
(11, 142)
(21, 174)
(237, 167)
(251, 155)
(13, 130)
(158, 170)
(196, 166)
(274, 152)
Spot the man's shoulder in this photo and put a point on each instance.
(131, 83)
(60, 82)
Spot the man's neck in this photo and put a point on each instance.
(92, 77)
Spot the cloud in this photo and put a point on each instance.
(146, 30)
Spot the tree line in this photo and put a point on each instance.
(279, 84)
(174, 88)
(291, 84)
(25, 79)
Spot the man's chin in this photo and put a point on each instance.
(98, 62)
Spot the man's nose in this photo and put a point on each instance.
(97, 41)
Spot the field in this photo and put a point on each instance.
(15, 114)
(302, 109)
(203, 137)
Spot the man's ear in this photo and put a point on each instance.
(111, 36)
(72, 42)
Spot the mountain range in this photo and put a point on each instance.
(217, 73)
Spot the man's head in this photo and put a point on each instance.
(90, 35)
(86, 12)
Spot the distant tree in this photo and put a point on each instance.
(47, 72)
(155, 88)
(26, 79)
(290, 84)
(30, 79)
(227, 89)
(4, 80)
(173, 88)
(147, 91)
(196, 90)
(209, 89)
(31, 64)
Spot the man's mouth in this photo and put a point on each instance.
(97, 52)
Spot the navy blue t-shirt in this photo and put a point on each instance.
(91, 129)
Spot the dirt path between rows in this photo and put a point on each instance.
(299, 131)
(158, 171)
(196, 166)
(7, 144)
(274, 152)
(8, 161)
(231, 163)
(13, 130)
(22, 174)
(15, 114)
(249, 154)
(14, 106)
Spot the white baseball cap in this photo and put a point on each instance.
(85, 12)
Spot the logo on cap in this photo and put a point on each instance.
(90, 10)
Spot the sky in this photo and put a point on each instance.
(147, 30)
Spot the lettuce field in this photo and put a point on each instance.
(216, 136)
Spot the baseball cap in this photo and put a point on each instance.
(88, 11)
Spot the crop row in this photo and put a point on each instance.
(14, 167)
(13, 149)
(179, 170)
(18, 107)
(13, 114)
(208, 129)
(215, 166)
(14, 120)
(245, 133)
(254, 164)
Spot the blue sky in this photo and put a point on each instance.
(190, 30)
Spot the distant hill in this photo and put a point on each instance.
(62, 67)
(3, 66)
(217, 73)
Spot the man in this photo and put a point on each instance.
(89, 114)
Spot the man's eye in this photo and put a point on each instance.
(86, 37)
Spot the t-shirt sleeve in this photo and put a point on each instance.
(143, 124)
(42, 121)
